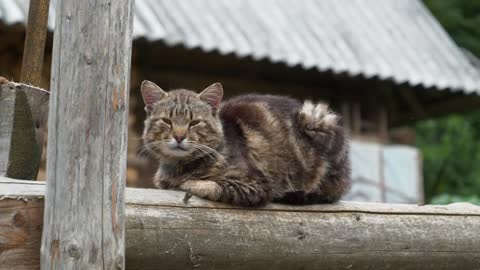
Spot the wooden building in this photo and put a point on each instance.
(383, 64)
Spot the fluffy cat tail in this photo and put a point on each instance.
(317, 117)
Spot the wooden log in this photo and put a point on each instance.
(84, 206)
(164, 232)
(23, 116)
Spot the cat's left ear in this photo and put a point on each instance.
(151, 93)
(213, 95)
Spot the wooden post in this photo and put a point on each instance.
(34, 48)
(87, 138)
(23, 114)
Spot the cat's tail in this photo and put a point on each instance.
(323, 126)
(317, 117)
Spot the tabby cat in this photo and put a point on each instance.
(248, 150)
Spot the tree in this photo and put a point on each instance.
(461, 19)
(451, 146)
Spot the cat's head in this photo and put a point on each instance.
(182, 124)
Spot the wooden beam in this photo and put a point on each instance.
(164, 232)
(86, 161)
(459, 104)
(23, 115)
(237, 84)
(411, 99)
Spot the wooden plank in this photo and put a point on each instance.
(7, 109)
(20, 233)
(164, 231)
(84, 213)
(21, 219)
(23, 116)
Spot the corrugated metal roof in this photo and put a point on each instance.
(389, 39)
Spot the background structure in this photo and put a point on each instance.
(384, 65)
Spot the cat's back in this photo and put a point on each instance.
(262, 126)
(257, 111)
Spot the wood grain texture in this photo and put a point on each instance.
(23, 114)
(86, 159)
(7, 111)
(20, 233)
(163, 232)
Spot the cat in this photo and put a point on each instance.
(246, 151)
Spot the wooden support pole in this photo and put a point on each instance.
(163, 232)
(87, 138)
(23, 115)
(34, 48)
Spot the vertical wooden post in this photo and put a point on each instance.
(382, 124)
(34, 48)
(87, 138)
(356, 119)
(32, 63)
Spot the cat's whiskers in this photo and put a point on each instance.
(137, 138)
(211, 156)
(150, 147)
(209, 152)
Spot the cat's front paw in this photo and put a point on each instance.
(203, 188)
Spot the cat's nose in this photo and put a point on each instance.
(179, 138)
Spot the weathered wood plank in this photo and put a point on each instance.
(23, 115)
(7, 108)
(88, 129)
(163, 231)
(20, 232)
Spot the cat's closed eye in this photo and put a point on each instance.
(194, 123)
(166, 121)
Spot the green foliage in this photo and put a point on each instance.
(451, 153)
(461, 19)
(451, 146)
(447, 198)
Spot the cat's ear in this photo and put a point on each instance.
(213, 95)
(151, 93)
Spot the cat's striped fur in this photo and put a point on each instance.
(250, 150)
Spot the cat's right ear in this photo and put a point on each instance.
(151, 93)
